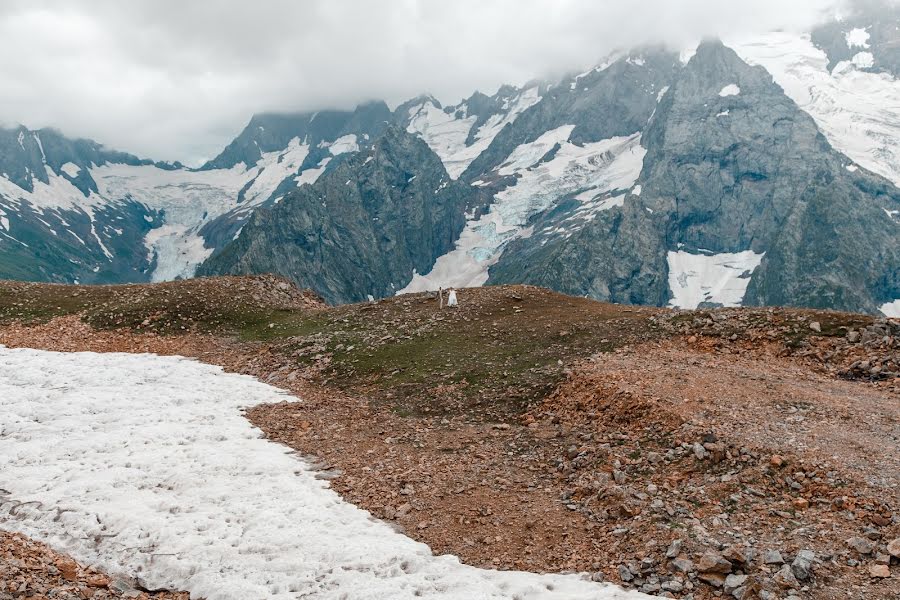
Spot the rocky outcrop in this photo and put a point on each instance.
(361, 229)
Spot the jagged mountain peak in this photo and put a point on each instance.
(269, 132)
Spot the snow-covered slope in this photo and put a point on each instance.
(857, 110)
(592, 171)
(184, 493)
(459, 134)
(178, 204)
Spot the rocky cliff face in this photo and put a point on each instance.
(740, 199)
(362, 229)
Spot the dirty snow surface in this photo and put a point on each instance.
(144, 465)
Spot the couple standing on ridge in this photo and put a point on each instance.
(451, 297)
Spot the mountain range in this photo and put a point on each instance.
(758, 171)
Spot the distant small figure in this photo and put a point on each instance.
(441, 297)
(451, 298)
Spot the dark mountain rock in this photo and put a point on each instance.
(361, 229)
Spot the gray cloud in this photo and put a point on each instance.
(171, 79)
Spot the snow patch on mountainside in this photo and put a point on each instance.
(857, 38)
(446, 133)
(345, 143)
(858, 111)
(145, 466)
(71, 169)
(730, 90)
(891, 309)
(58, 194)
(592, 169)
(695, 279)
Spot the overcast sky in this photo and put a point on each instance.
(178, 79)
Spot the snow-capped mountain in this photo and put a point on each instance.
(73, 211)
(746, 171)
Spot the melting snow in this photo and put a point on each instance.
(858, 111)
(717, 278)
(312, 175)
(891, 309)
(526, 155)
(857, 38)
(71, 169)
(345, 143)
(145, 465)
(863, 60)
(730, 90)
(593, 170)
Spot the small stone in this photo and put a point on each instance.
(625, 573)
(672, 586)
(802, 565)
(733, 582)
(861, 545)
(801, 503)
(67, 568)
(816, 326)
(882, 559)
(699, 451)
(773, 557)
(712, 562)
(619, 477)
(776, 460)
(674, 549)
(683, 565)
(893, 548)
(785, 578)
(716, 580)
(97, 580)
(879, 571)
(738, 554)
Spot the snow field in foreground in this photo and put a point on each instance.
(144, 465)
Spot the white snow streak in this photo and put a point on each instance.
(711, 278)
(345, 143)
(593, 170)
(144, 465)
(446, 134)
(730, 90)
